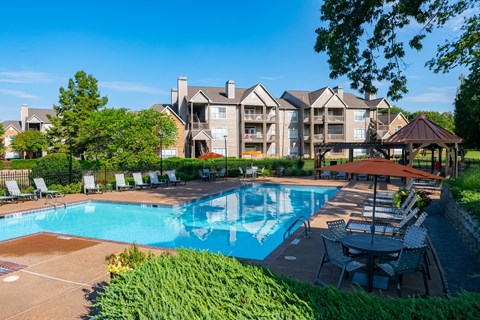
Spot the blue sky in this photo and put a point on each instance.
(137, 50)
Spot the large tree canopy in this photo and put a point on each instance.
(362, 41)
(467, 109)
(76, 104)
(29, 142)
(119, 138)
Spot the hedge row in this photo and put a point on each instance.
(199, 285)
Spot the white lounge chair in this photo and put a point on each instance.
(40, 184)
(172, 178)
(14, 191)
(120, 183)
(154, 181)
(89, 185)
(391, 212)
(137, 178)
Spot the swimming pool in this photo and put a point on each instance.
(248, 222)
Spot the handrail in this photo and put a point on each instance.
(306, 224)
(54, 199)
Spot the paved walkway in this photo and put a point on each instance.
(60, 275)
(460, 265)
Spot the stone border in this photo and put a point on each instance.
(467, 226)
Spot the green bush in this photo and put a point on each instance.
(21, 164)
(466, 190)
(198, 285)
(129, 259)
(67, 189)
(56, 162)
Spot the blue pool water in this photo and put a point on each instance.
(248, 222)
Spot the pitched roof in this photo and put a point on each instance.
(15, 124)
(423, 130)
(216, 94)
(163, 107)
(41, 114)
(284, 104)
(351, 100)
(383, 118)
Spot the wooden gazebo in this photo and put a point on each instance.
(422, 133)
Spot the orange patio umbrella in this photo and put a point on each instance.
(380, 167)
(210, 155)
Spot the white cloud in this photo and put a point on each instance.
(455, 24)
(24, 77)
(131, 87)
(433, 95)
(17, 94)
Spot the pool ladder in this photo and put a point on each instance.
(53, 199)
(306, 225)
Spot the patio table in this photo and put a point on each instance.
(374, 246)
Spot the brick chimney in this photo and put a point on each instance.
(230, 89)
(370, 96)
(174, 95)
(182, 92)
(339, 91)
(24, 116)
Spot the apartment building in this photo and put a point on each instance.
(30, 119)
(244, 119)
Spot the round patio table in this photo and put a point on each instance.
(374, 246)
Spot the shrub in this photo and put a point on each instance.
(21, 164)
(67, 189)
(129, 259)
(198, 285)
(466, 190)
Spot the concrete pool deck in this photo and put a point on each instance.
(59, 275)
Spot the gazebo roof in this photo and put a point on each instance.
(423, 130)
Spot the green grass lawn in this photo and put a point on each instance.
(473, 154)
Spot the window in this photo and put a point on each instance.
(293, 116)
(169, 152)
(8, 140)
(359, 115)
(359, 152)
(219, 133)
(336, 151)
(273, 149)
(292, 134)
(219, 112)
(293, 150)
(359, 134)
(219, 151)
(398, 128)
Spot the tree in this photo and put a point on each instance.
(76, 105)
(362, 42)
(29, 142)
(2, 144)
(396, 109)
(467, 109)
(445, 119)
(119, 138)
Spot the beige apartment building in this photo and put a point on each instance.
(230, 120)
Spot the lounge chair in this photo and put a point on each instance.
(335, 255)
(382, 228)
(154, 181)
(5, 199)
(14, 191)
(137, 178)
(341, 175)
(390, 194)
(325, 174)
(40, 184)
(222, 174)
(120, 183)
(397, 214)
(89, 185)
(172, 178)
(242, 174)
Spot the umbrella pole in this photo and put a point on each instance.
(372, 227)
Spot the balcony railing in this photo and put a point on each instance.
(318, 118)
(336, 137)
(318, 137)
(253, 117)
(200, 125)
(254, 136)
(335, 118)
(259, 117)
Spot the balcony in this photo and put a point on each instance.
(199, 125)
(258, 117)
(335, 119)
(306, 138)
(255, 137)
(336, 137)
(318, 118)
(318, 137)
